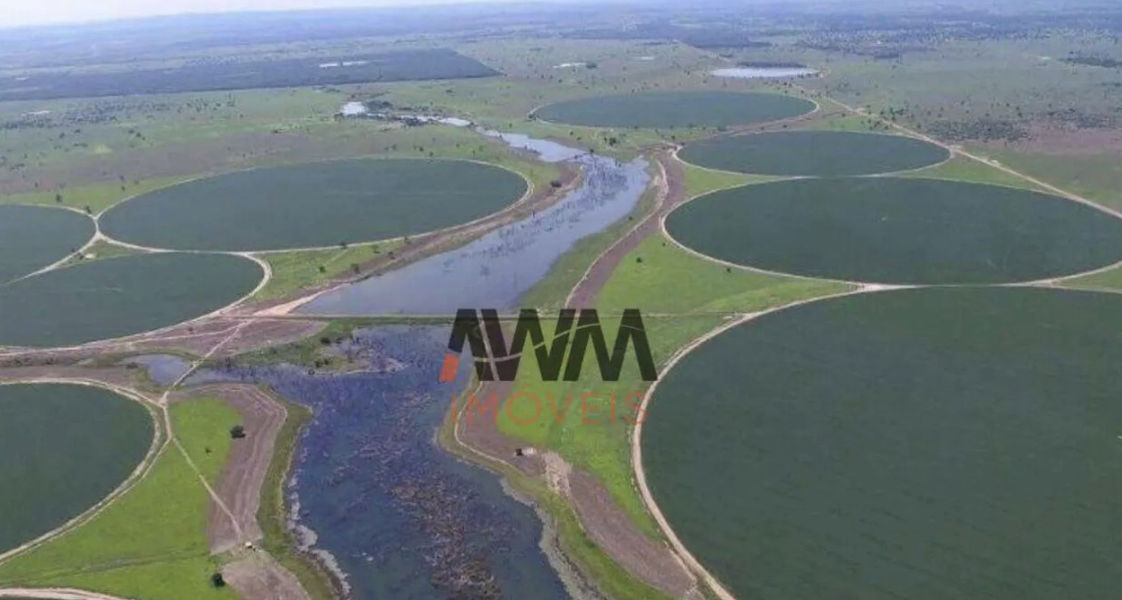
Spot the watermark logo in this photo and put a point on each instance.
(559, 358)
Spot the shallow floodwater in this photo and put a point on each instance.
(402, 519)
(498, 268)
(163, 369)
(764, 72)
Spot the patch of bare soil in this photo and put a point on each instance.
(248, 464)
(257, 576)
(478, 429)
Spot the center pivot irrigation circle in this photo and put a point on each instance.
(116, 297)
(898, 230)
(675, 109)
(814, 153)
(924, 444)
(314, 205)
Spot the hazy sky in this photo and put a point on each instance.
(14, 13)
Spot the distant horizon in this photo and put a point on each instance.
(20, 14)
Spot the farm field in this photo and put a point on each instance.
(819, 153)
(152, 542)
(816, 433)
(59, 459)
(314, 205)
(674, 109)
(120, 296)
(402, 65)
(893, 230)
(899, 443)
(32, 238)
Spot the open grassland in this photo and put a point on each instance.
(152, 542)
(110, 298)
(698, 181)
(821, 153)
(295, 270)
(93, 198)
(893, 230)
(961, 168)
(675, 109)
(313, 205)
(32, 238)
(1096, 177)
(898, 443)
(593, 430)
(60, 458)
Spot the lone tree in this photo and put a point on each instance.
(217, 580)
(237, 432)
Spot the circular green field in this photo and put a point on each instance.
(892, 230)
(116, 297)
(923, 444)
(64, 448)
(33, 237)
(675, 109)
(818, 153)
(314, 204)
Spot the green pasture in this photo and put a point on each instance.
(293, 271)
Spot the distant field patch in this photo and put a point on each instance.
(232, 74)
(120, 296)
(921, 444)
(891, 230)
(820, 153)
(675, 109)
(65, 448)
(314, 204)
(35, 237)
